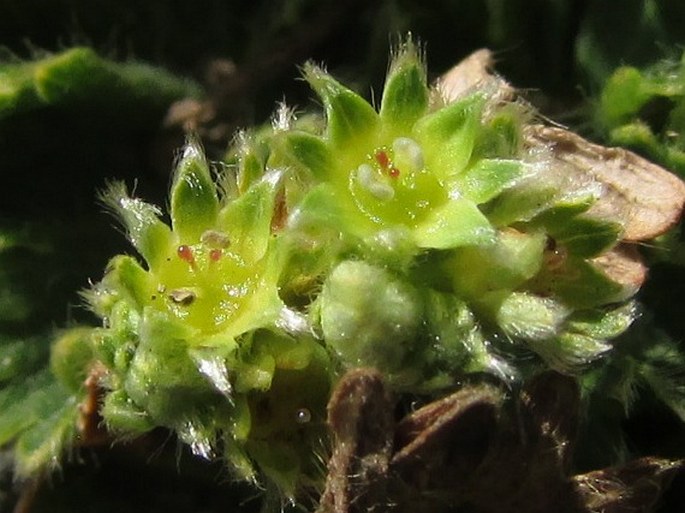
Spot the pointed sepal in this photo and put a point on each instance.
(148, 234)
(194, 202)
(405, 96)
(351, 119)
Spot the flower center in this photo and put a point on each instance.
(392, 185)
(205, 284)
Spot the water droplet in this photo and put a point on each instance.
(303, 416)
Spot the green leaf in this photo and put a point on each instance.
(570, 352)
(456, 223)
(123, 416)
(194, 202)
(531, 317)
(71, 356)
(324, 209)
(73, 76)
(623, 96)
(21, 356)
(130, 279)
(247, 219)
(604, 324)
(511, 260)
(662, 367)
(43, 445)
(586, 236)
(521, 203)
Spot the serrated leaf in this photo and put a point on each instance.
(42, 445)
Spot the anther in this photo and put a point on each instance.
(382, 158)
(183, 297)
(185, 253)
(379, 189)
(408, 153)
(215, 255)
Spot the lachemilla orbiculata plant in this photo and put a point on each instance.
(424, 238)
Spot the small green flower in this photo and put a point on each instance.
(429, 239)
(199, 340)
(433, 197)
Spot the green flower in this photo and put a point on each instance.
(199, 340)
(404, 179)
(428, 198)
(430, 239)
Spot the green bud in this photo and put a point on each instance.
(368, 316)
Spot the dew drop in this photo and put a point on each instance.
(303, 416)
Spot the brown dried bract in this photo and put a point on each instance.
(360, 417)
(470, 452)
(90, 429)
(645, 197)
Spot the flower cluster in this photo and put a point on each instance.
(425, 239)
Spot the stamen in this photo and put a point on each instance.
(183, 297)
(382, 158)
(215, 255)
(408, 154)
(215, 239)
(377, 188)
(185, 253)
